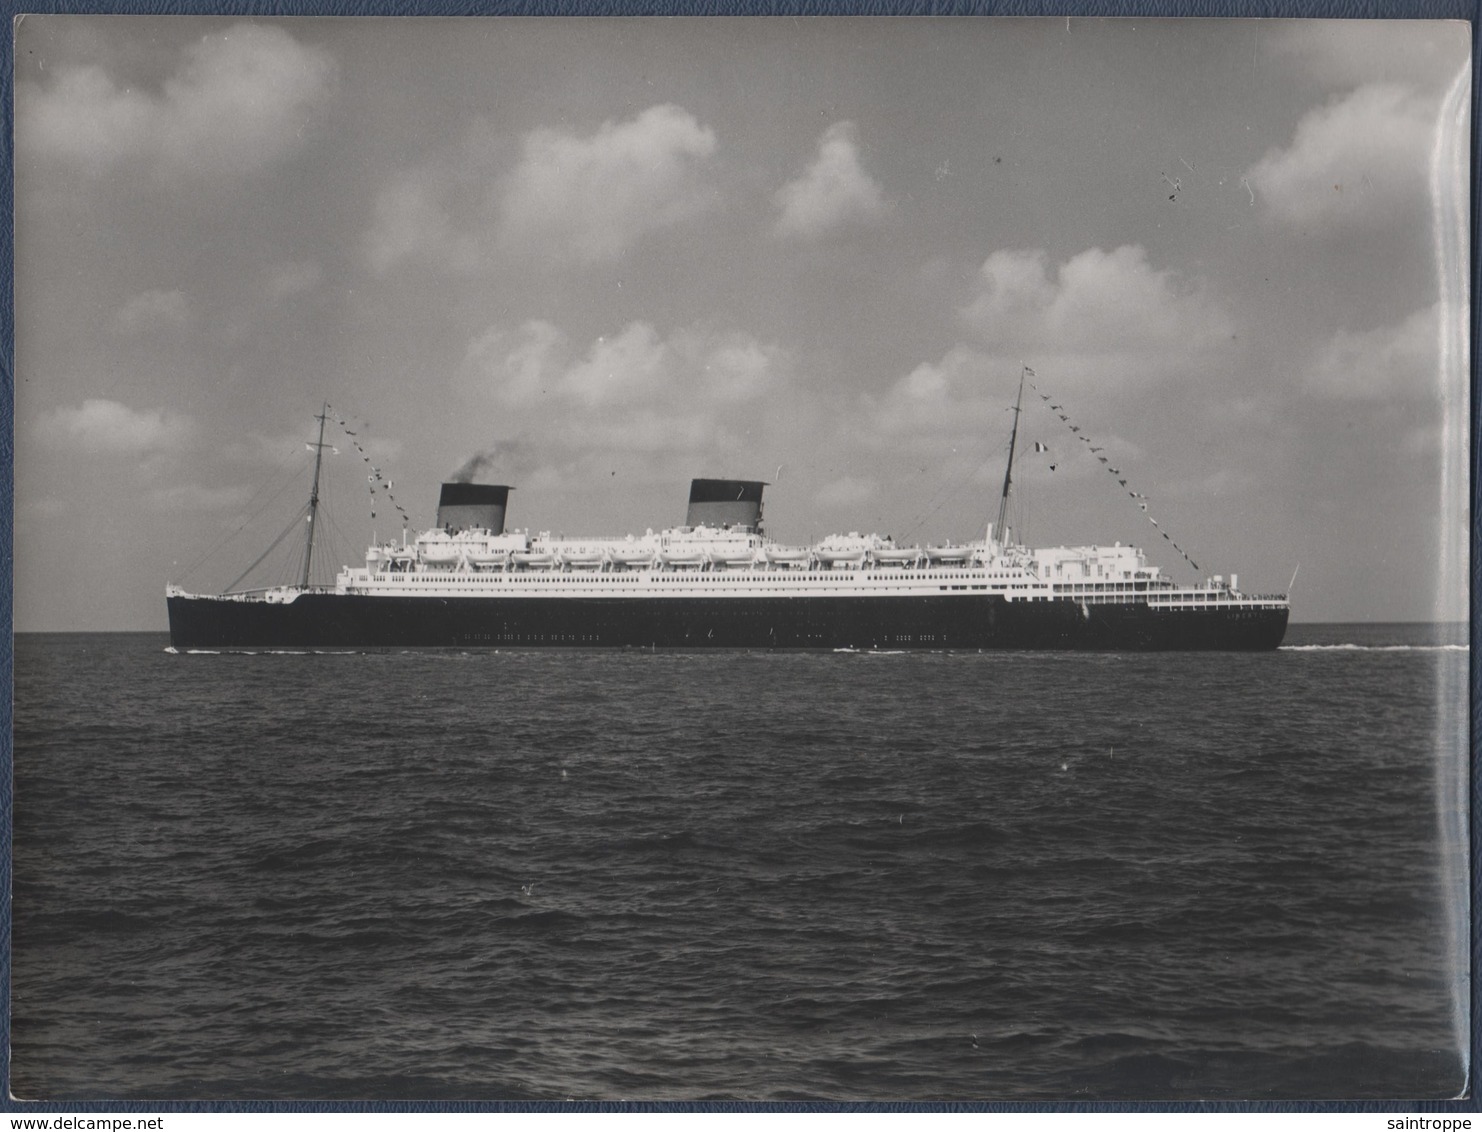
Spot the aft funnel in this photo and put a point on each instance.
(725, 503)
(465, 505)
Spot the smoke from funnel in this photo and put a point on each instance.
(507, 460)
(473, 466)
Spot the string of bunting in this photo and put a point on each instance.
(1105, 461)
(373, 476)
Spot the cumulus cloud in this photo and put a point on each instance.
(239, 101)
(590, 198)
(1093, 327)
(833, 191)
(1356, 160)
(1394, 362)
(632, 366)
(102, 427)
(516, 366)
(634, 391)
(948, 397)
(537, 361)
(152, 310)
(413, 220)
(1097, 302)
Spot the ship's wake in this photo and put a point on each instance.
(1375, 648)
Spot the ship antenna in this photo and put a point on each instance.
(314, 495)
(1008, 472)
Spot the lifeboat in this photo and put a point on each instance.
(583, 560)
(533, 559)
(897, 556)
(735, 560)
(840, 556)
(786, 555)
(440, 553)
(683, 557)
(634, 558)
(949, 555)
(487, 557)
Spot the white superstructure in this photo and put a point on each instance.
(728, 562)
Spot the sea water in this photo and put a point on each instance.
(673, 876)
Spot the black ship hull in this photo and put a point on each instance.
(968, 621)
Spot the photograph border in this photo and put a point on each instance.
(1144, 9)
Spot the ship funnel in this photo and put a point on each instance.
(464, 505)
(722, 503)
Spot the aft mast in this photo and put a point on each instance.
(1008, 472)
(314, 495)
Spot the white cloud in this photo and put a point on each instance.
(636, 391)
(735, 366)
(631, 367)
(954, 396)
(1358, 159)
(1098, 303)
(239, 101)
(152, 310)
(1395, 362)
(1098, 325)
(103, 427)
(834, 190)
(413, 220)
(591, 198)
(517, 367)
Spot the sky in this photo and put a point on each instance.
(608, 256)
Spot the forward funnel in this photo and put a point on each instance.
(725, 503)
(462, 506)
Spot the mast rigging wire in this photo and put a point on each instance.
(301, 514)
(283, 485)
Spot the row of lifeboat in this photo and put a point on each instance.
(453, 554)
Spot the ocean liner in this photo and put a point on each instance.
(718, 581)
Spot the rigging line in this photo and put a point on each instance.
(338, 540)
(292, 526)
(328, 550)
(948, 498)
(951, 494)
(329, 545)
(283, 486)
